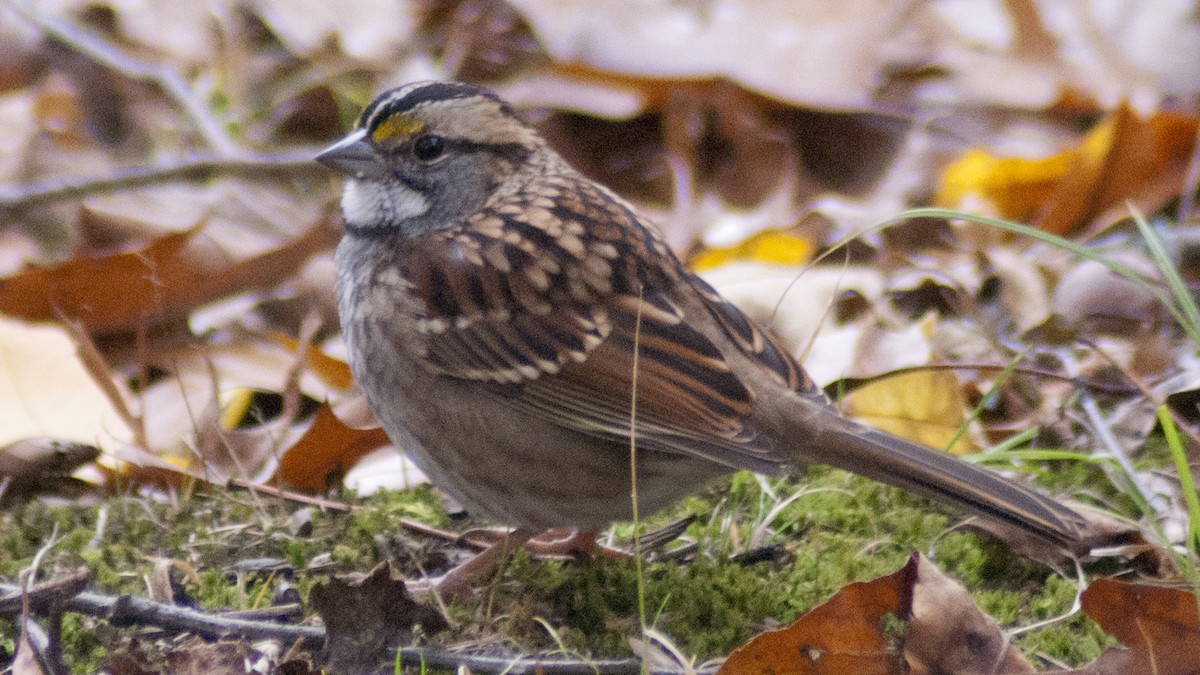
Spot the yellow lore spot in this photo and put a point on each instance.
(398, 125)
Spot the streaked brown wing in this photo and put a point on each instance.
(688, 399)
(523, 293)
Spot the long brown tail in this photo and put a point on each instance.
(847, 445)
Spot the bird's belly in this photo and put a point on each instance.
(504, 464)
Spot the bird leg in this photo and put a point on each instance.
(569, 542)
(555, 543)
(459, 580)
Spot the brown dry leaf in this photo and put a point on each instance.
(366, 619)
(167, 278)
(948, 633)
(844, 635)
(57, 112)
(42, 464)
(184, 402)
(130, 216)
(16, 111)
(1144, 160)
(198, 657)
(998, 54)
(45, 390)
(577, 90)
(186, 31)
(142, 468)
(325, 453)
(1126, 157)
(17, 248)
(1159, 625)
(224, 451)
(1024, 295)
(925, 406)
(1091, 294)
(1030, 55)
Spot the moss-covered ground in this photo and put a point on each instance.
(838, 530)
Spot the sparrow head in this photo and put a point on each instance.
(426, 154)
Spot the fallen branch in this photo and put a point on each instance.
(126, 610)
(194, 167)
(168, 79)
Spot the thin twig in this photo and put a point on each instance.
(128, 610)
(100, 371)
(45, 594)
(1103, 434)
(110, 56)
(200, 166)
(845, 385)
(1153, 397)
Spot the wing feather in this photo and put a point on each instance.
(523, 293)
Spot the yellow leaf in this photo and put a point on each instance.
(769, 246)
(1013, 186)
(1125, 157)
(925, 406)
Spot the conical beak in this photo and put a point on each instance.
(353, 156)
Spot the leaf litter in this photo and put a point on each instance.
(180, 323)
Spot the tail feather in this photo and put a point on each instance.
(945, 478)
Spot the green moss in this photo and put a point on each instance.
(834, 529)
(839, 529)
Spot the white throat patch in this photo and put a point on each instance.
(368, 204)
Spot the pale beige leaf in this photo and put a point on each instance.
(46, 391)
(828, 55)
(367, 29)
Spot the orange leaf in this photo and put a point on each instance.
(844, 635)
(325, 452)
(165, 279)
(1159, 625)
(332, 371)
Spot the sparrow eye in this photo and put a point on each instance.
(429, 148)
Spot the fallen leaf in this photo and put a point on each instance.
(325, 453)
(782, 49)
(948, 633)
(42, 464)
(772, 246)
(306, 27)
(366, 619)
(165, 279)
(925, 406)
(1125, 157)
(45, 390)
(1092, 296)
(844, 635)
(332, 371)
(1159, 625)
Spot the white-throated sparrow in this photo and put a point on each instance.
(499, 308)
